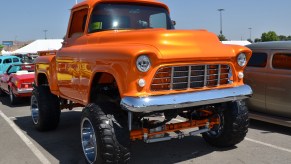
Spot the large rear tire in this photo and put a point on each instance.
(45, 109)
(104, 137)
(234, 123)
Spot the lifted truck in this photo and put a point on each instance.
(127, 66)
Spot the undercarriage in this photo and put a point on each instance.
(162, 126)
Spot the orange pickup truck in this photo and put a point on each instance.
(123, 61)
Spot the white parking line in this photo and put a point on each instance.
(29, 144)
(269, 145)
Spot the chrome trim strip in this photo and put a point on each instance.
(205, 75)
(183, 75)
(182, 100)
(28, 90)
(219, 73)
(189, 77)
(172, 78)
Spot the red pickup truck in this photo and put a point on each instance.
(123, 61)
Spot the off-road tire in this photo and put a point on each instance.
(111, 135)
(48, 106)
(233, 128)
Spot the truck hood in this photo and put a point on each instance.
(173, 44)
(25, 77)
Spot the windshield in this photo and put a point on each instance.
(20, 69)
(128, 16)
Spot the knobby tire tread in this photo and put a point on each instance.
(236, 126)
(112, 151)
(49, 108)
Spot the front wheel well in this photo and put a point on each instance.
(104, 88)
(41, 79)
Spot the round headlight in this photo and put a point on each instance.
(242, 59)
(143, 63)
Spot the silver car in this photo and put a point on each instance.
(269, 74)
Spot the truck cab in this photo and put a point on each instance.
(124, 62)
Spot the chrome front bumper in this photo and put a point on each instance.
(182, 100)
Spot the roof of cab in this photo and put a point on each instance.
(271, 45)
(93, 2)
(8, 56)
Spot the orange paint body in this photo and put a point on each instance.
(71, 71)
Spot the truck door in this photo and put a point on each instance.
(68, 58)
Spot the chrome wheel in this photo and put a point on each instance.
(34, 109)
(232, 127)
(217, 129)
(88, 139)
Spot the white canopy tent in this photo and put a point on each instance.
(3, 52)
(40, 45)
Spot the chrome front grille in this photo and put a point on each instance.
(193, 76)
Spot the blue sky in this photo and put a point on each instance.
(27, 19)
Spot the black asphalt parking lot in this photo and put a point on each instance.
(265, 143)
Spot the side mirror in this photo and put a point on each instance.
(173, 23)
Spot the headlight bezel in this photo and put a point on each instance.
(242, 59)
(143, 63)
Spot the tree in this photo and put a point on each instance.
(282, 37)
(221, 37)
(1, 47)
(258, 40)
(269, 36)
(250, 40)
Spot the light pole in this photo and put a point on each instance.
(45, 31)
(250, 32)
(220, 12)
(15, 40)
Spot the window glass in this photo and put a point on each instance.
(281, 61)
(13, 69)
(78, 23)
(15, 60)
(158, 20)
(123, 16)
(7, 61)
(258, 60)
